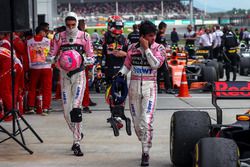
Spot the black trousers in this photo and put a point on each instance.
(217, 54)
(163, 70)
(231, 61)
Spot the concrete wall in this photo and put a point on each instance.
(33, 14)
(49, 9)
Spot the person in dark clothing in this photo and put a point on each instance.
(163, 70)
(190, 37)
(174, 37)
(134, 36)
(231, 58)
(241, 34)
(114, 52)
(114, 48)
(160, 36)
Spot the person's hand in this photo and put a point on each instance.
(144, 43)
(50, 59)
(119, 74)
(119, 53)
(88, 61)
(115, 52)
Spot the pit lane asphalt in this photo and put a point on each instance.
(101, 148)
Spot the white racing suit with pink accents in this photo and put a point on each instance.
(73, 83)
(143, 88)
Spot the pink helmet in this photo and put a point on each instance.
(70, 60)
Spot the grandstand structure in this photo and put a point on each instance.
(130, 10)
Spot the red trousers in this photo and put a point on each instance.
(40, 78)
(5, 86)
(86, 98)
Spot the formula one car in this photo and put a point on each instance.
(198, 69)
(201, 59)
(196, 142)
(244, 65)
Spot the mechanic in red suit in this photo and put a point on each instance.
(40, 71)
(5, 74)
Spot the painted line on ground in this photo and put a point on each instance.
(171, 108)
(159, 97)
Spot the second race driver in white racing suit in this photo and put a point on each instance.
(73, 82)
(143, 59)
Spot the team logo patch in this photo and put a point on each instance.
(78, 90)
(132, 110)
(141, 70)
(64, 98)
(162, 50)
(150, 105)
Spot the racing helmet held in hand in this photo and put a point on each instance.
(115, 25)
(70, 60)
(119, 90)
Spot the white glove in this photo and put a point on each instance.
(88, 61)
(50, 59)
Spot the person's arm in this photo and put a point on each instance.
(54, 49)
(244, 35)
(20, 48)
(177, 37)
(5, 44)
(123, 52)
(119, 53)
(25, 58)
(185, 37)
(172, 36)
(193, 37)
(98, 37)
(201, 41)
(155, 61)
(223, 40)
(129, 38)
(127, 63)
(88, 46)
(89, 59)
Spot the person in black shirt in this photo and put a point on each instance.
(160, 36)
(114, 48)
(241, 34)
(163, 70)
(174, 37)
(231, 59)
(134, 36)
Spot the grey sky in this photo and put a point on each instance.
(217, 5)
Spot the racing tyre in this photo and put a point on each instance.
(243, 71)
(215, 64)
(244, 65)
(209, 74)
(219, 152)
(200, 78)
(186, 129)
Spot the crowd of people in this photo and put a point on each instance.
(222, 45)
(172, 10)
(69, 49)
